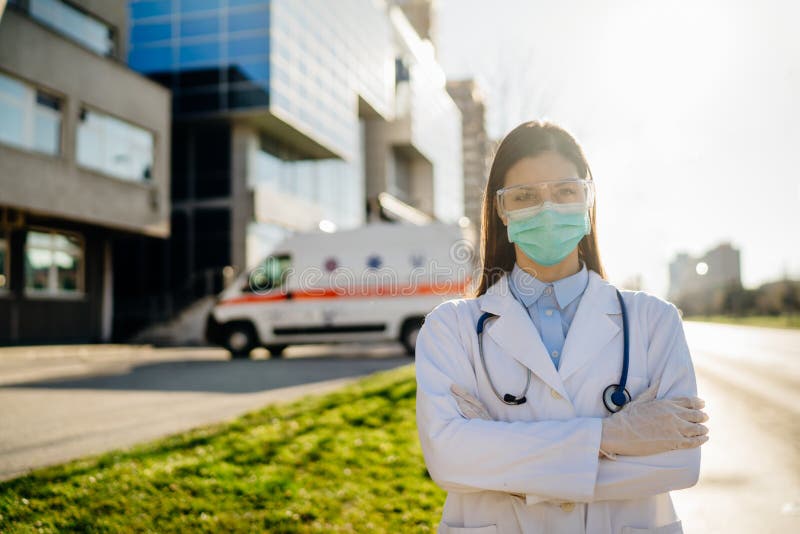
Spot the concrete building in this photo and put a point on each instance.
(287, 116)
(475, 145)
(84, 166)
(416, 157)
(719, 267)
(421, 14)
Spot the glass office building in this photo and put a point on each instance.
(269, 99)
(299, 64)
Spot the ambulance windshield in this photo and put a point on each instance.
(270, 273)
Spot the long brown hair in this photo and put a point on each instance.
(529, 139)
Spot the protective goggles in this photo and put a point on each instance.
(568, 196)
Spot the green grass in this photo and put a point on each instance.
(349, 461)
(780, 321)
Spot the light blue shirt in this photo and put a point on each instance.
(551, 306)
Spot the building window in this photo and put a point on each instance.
(53, 263)
(77, 25)
(114, 147)
(4, 266)
(29, 118)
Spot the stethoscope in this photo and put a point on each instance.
(615, 396)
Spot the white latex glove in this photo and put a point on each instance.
(470, 406)
(647, 425)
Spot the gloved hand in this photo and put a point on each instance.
(647, 425)
(470, 406)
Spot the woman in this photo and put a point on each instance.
(544, 447)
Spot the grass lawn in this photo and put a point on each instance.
(349, 461)
(781, 321)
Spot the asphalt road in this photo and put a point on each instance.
(750, 470)
(57, 407)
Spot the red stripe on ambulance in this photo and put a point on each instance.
(443, 289)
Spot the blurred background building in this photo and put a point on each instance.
(421, 14)
(716, 268)
(126, 199)
(84, 166)
(475, 143)
(416, 157)
(711, 285)
(696, 283)
(288, 116)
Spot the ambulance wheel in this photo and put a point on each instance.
(276, 351)
(240, 339)
(408, 334)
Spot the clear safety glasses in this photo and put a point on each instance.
(568, 196)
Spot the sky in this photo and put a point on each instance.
(688, 112)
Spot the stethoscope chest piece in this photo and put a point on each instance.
(614, 398)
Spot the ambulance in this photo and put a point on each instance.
(372, 283)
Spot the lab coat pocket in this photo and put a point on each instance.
(444, 528)
(671, 528)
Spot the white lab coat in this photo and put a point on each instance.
(547, 448)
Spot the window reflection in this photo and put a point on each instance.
(53, 262)
(75, 24)
(29, 118)
(114, 147)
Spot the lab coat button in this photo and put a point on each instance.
(555, 394)
(568, 506)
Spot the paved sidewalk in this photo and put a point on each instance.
(22, 364)
(62, 403)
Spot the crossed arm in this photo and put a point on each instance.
(542, 460)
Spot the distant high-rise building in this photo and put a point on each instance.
(475, 144)
(718, 267)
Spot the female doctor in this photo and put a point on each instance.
(526, 426)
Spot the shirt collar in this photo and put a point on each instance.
(527, 288)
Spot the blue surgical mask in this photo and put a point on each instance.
(550, 235)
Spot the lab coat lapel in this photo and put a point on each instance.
(514, 331)
(591, 328)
